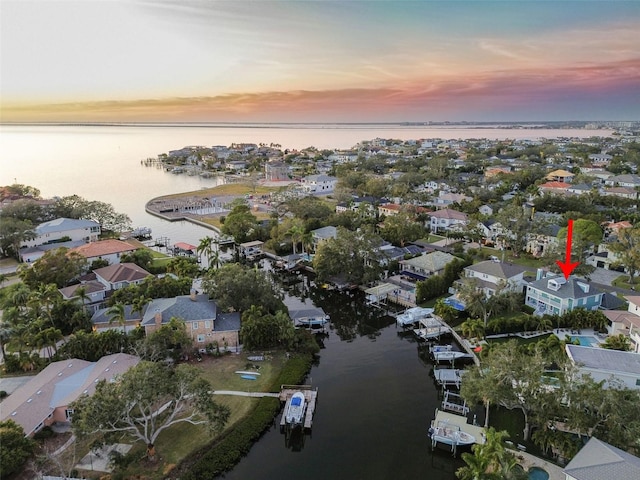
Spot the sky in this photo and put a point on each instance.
(318, 61)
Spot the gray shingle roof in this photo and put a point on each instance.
(571, 289)
(64, 224)
(598, 460)
(497, 269)
(605, 359)
(183, 307)
(227, 322)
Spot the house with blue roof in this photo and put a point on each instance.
(45, 398)
(64, 229)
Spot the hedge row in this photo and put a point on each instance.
(223, 454)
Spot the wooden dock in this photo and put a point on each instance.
(310, 397)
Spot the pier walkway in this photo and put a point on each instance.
(246, 394)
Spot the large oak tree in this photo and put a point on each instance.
(146, 400)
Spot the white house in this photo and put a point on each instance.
(319, 183)
(446, 219)
(322, 234)
(605, 364)
(491, 276)
(64, 230)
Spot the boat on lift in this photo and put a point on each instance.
(295, 409)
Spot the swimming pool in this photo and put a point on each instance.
(536, 473)
(454, 303)
(586, 340)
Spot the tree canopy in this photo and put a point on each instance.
(237, 287)
(15, 448)
(146, 400)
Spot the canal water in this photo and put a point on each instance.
(376, 399)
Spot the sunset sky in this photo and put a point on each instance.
(318, 61)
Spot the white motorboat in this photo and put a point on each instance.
(295, 409)
(413, 315)
(448, 355)
(450, 434)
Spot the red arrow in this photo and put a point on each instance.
(567, 267)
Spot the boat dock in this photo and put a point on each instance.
(455, 430)
(310, 396)
(447, 377)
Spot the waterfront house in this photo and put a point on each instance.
(491, 276)
(204, 323)
(45, 398)
(598, 460)
(603, 364)
(64, 230)
(426, 265)
(554, 295)
(323, 234)
(110, 250)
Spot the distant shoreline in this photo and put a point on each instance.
(568, 124)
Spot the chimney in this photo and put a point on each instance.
(158, 317)
(539, 274)
(192, 295)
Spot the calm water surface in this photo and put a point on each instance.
(375, 402)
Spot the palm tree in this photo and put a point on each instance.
(117, 314)
(295, 232)
(473, 328)
(214, 258)
(205, 247)
(6, 333)
(307, 241)
(82, 296)
(139, 304)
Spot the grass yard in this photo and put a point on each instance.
(177, 442)
(623, 282)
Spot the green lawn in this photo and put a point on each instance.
(180, 440)
(623, 282)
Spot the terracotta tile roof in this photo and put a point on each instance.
(556, 185)
(103, 247)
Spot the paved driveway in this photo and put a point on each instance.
(11, 384)
(604, 276)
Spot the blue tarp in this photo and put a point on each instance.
(296, 401)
